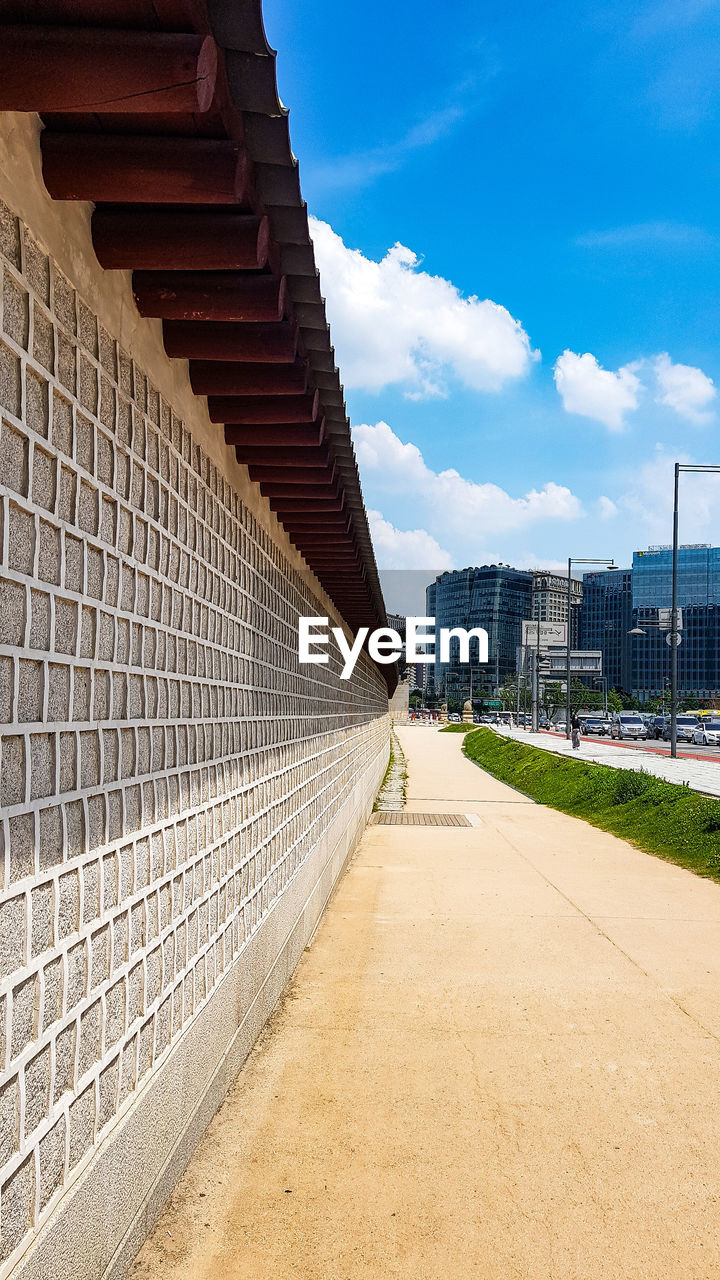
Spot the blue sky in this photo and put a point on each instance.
(559, 164)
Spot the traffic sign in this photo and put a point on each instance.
(670, 637)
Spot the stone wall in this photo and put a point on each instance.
(178, 795)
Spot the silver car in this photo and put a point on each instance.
(628, 724)
(685, 728)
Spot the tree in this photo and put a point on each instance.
(509, 695)
(614, 701)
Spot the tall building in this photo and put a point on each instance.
(615, 602)
(550, 602)
(605, 620)
(699, 598)
(549, 595)
(495, 597)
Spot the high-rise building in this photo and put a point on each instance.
(550, 602)
(616, 602)
(549, 595)
(605, 620)
(698, 596)
(495, 597)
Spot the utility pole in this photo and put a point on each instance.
(536, 705)
(674, 636)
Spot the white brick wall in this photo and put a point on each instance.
(165, 764)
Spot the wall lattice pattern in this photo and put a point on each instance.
(166, 764)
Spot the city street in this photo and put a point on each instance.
(684, 749)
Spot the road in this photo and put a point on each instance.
(499, 1060)
(685, 750)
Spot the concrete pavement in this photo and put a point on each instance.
(499, 1058)
(700, 775)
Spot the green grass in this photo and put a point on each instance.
(458, 728)
(662, 818)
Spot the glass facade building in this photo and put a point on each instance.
(606, 618)
(495, 597)
(699, 599)
(616, 602)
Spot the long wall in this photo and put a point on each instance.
(178, 795)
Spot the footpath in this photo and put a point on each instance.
(699, 775)
(498, 1059)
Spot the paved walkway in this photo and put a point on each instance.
(700, 775)
(499, 1059)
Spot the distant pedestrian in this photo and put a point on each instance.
(575, 727)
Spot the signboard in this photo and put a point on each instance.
(551, 633)
(665, 619)
(583, 662)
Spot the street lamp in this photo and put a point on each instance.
(608, 564)
(604, 686)
(639, 630)
(674, 632)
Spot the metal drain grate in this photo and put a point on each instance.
(420, 820)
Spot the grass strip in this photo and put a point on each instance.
(662, 818)
(458, 728)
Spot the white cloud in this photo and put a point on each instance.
(684, 388)
(647, 234)
(360, 168)
(450, 503)
(606, 508)
(406, 548)
(647, 501)
(395, 324)
(588, 389)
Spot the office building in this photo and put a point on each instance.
(699, 598)
(616, 602)
(495, 597)
(606, 619)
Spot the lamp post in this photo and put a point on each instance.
(608, 564)
(640, 630)
(604, 686)
(674, 633)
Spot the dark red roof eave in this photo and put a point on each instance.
(157, 179)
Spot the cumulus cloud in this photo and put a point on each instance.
(588, 389)
(395, 324)
(684, 388)
(606, 508)
(405, 548)
(449, 501)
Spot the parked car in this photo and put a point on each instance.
(600, 727)
(628, 724)
(707, 732)
(657, 726)
(454, 718)
(686, 726)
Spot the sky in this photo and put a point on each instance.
(516, 221)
